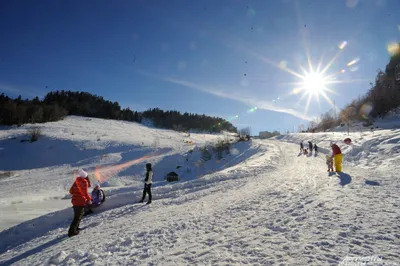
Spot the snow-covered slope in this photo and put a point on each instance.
(35, 177)
(264, 204)
(369, 149)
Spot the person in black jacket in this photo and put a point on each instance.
(315, 148)
(310, 146)
(301, 146)
(147, 183)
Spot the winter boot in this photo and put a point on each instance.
(71, 234)
(149, 202)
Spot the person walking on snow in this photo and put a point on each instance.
(337, 156)
(315, 148)
(301, 146)
(147, 183)
(310, 146)
(80, 196)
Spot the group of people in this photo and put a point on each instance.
(83, 203)
(336, 157)
(310, 148)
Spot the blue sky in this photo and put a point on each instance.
(220, 57)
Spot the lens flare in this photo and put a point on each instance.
(352, 62)
(104, 173)
(296, 90)
(353, 69)
(251, 13)
(393, 48)
(283, 64)
(366, 109)
(342, 45)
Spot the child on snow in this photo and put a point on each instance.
(80, 197)
(315, 148)
(329, 162)
(310, 146)
(97, 199)
(147, 183)
(305, 151)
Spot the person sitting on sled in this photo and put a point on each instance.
(305, 151)
(98, 197)
(329, 162)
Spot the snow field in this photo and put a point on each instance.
(264, 204)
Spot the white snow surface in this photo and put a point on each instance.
(262, 204)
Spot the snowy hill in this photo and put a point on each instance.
(262, 204)
(43, 171)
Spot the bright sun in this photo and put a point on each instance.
(313, 83)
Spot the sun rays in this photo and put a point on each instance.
(315, 82)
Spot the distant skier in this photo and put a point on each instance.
(315, 148)
(310, 146)
(301, 146)
(147, 183)
(80, 196)
(337, 156)
(98, 197)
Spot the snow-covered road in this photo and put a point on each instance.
(280, 209)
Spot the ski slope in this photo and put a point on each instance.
(264, 204)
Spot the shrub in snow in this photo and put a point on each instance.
(205, 153)
(34, 134)
(221, 147)
(5, 174)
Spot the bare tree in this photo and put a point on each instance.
(245, 133)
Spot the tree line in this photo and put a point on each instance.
(381, 98)
(186, 121)
(57, 104)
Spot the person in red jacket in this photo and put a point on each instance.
(80, 197)
(337, 156)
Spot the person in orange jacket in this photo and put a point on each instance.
(80, 197)
(337, 156)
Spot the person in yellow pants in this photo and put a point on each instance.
(338, 162)
(337, 155)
